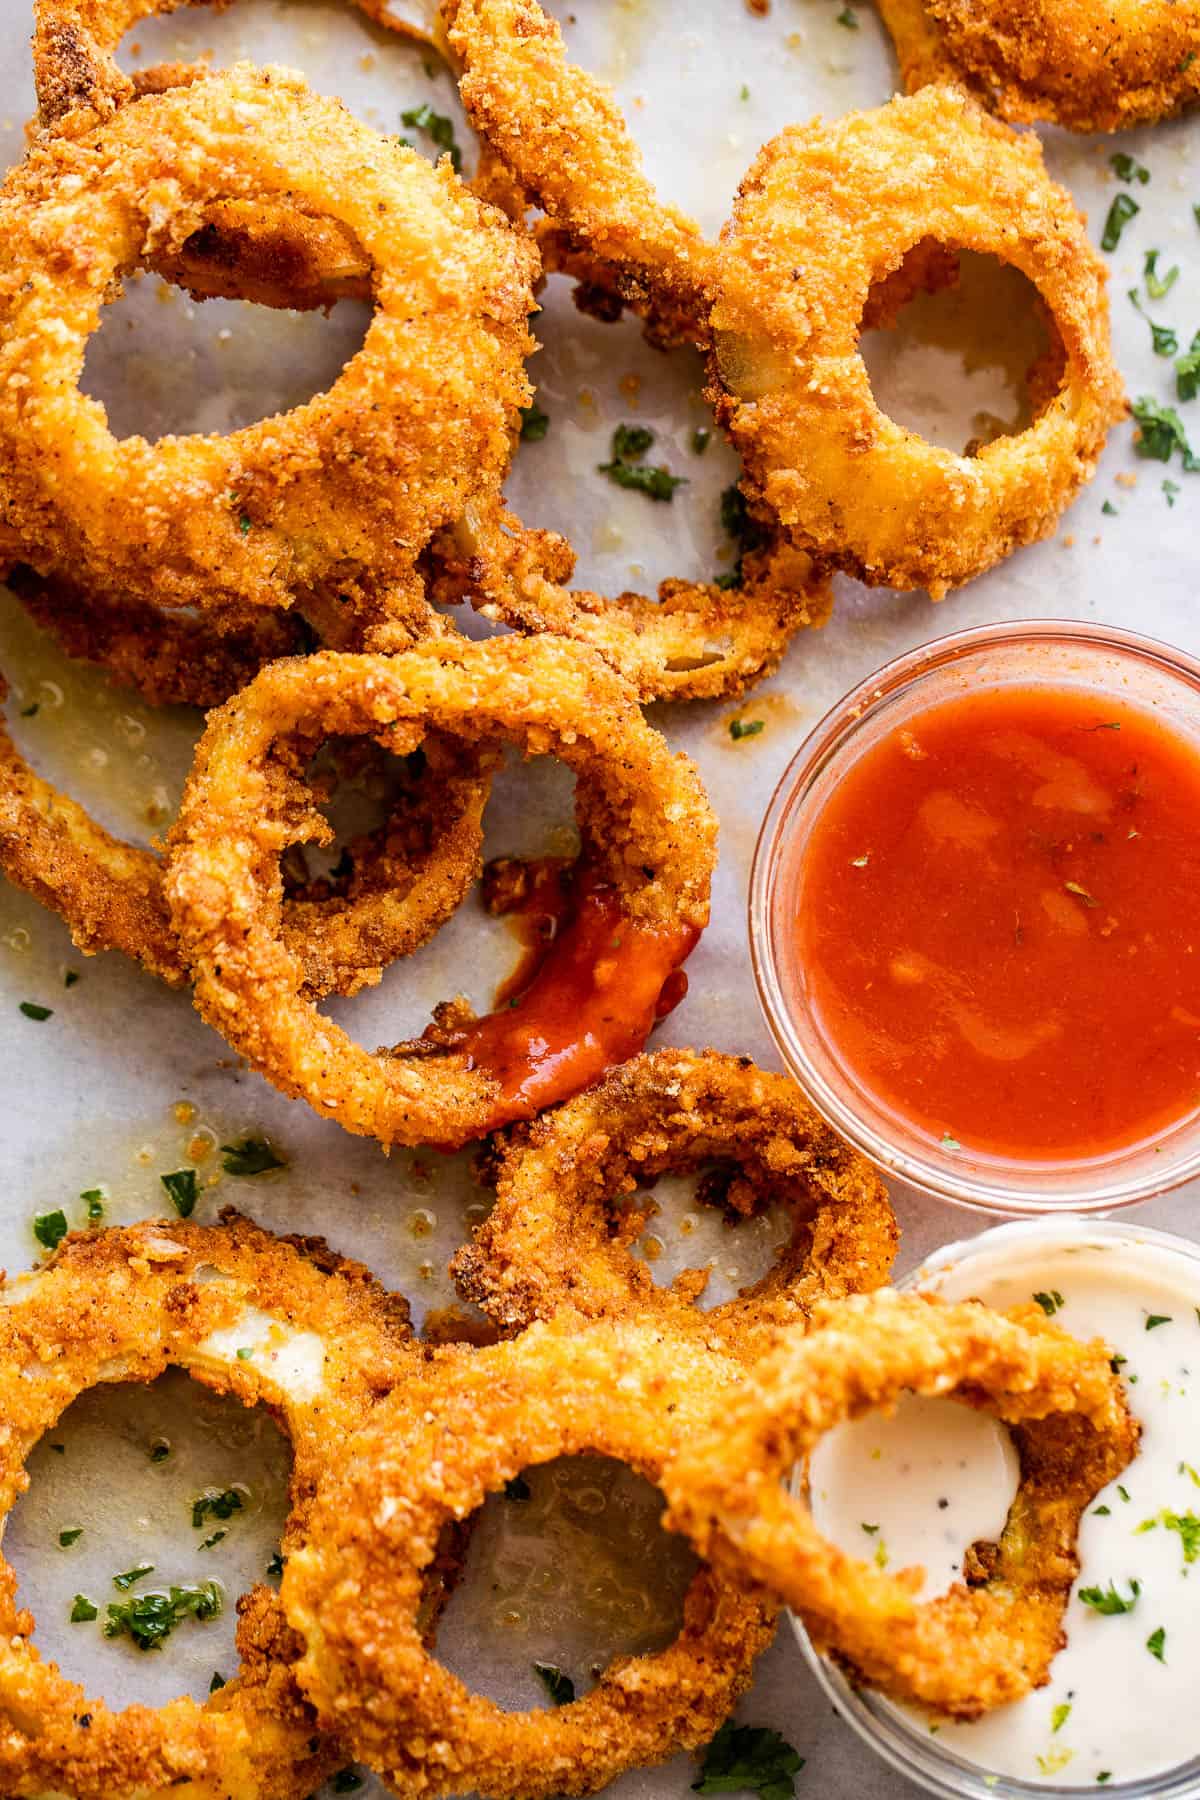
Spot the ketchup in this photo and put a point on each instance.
(998, 919)
(591, 984)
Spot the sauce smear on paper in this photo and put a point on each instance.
(999, 923)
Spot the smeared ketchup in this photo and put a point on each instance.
(591, 984)
(999, 926)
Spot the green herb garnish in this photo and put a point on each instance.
(150, 1618)
(1161, 433)
(32, 1010)
(1123, 208)
(534, 423)
(626, 468)
(749, 1758)
(744, 728)
(215, 1506)
(249, 1156)
(1127, 168)
(1154, 1320)
(738, 523)
(1108, 1601)
(83, 1610)
(50, 1228)
(126, 1581)
(1156, 1643)
(439, 128)
(71, 1536)
(183, 1191)
(1158, 286)
(1050, 1302)
(560, 1687)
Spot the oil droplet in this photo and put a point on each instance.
(651, 1247)
(184, 1112)
(18, 939)
(421, 1222)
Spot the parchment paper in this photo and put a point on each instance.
(88, 1095)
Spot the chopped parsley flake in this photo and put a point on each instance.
(1056, 1761)
(160, 1450)
(1154, 1320)
(1186, 1524)
(1127, 168)
(744, 728)
(752, 1759)
(275, 1566)
(245, 1352)
(126, 1581)
(150, 1618)
(1187, 371)
(626, 468)
(215, 1506)
(1164, 338)
(848, 17)
(870, 1530)
(182, 1188)
(534, 423)
(1170, 489)
(50, 1228)
(70, 977)
(32, 1010)
(71, 1536)
(1156, 1644)
(217, 1682)
(1060, 1715)
(738, 523)
(93, 1199)
(701, 438)
(1123, 1491)
(1050, 1302)
(1160, 433)
(210, 1543)
(83, 1610)
(439, 127)
(1110, 509)
(1123, 208)
(560, 1687)
(249, 1156)
(949, 1143)
(1108, 1602)
(1158, 286)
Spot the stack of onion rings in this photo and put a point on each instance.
(975, 1647)
(404, 880)
(861, 492)
(455, 1433)
(123, 1305)
(549, 1244)
(649, 842)
(330, 506)
(1091, 65)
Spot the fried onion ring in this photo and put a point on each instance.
(403, 881)
(465, 1426)
(972, 1648)
(75, 68)
(123, 1305)
(694, 641)
(562, 135)
(550, 1243)
(170, 658)
(333, 502)
(789, 383)
(649, 844)
(1091, 65)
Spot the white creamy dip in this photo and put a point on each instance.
(919, 1487)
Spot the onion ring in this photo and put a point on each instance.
(469, 1423)
(972, 1648)
(649, 843)
(334, 501)
(1091, 65)
(75, 69)
(859, 491)
(170, 658)
(562, 135)
(404, 880)
(549, 1243)
(695, 641)
(123, 1305)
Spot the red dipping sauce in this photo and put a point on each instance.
(997, 914)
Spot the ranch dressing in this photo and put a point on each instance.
(921, 1486)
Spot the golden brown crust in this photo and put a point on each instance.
(332, 503)
(470, 1422)
(788, 380)
(972, 1648)
(1091, 65)
(641, 811)
(549, 1245)
(403, 880)
(123, 1305)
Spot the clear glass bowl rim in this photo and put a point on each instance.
(1006, 1189)
(919, 1758)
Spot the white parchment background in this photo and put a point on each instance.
(88, 1094)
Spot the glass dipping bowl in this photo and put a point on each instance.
(884, 1728)
(1151, 676)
